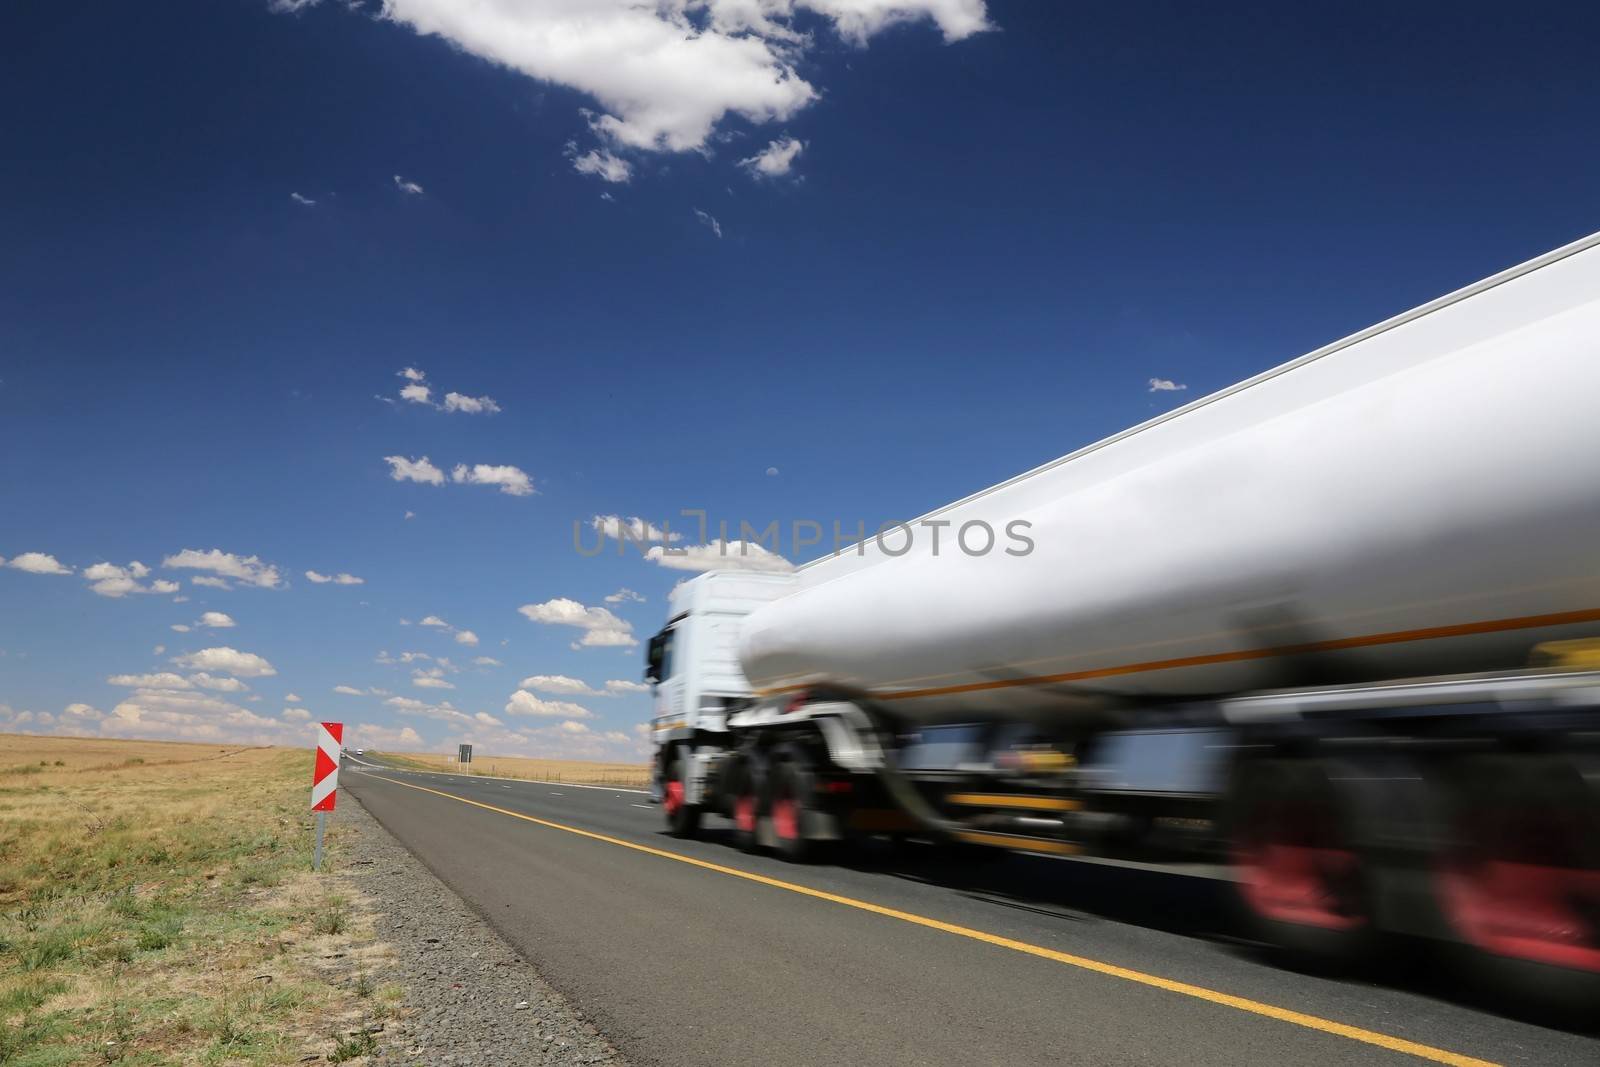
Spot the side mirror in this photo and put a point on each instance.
(653, 657)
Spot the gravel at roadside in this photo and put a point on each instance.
(470, 999)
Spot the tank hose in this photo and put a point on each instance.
(900, 788)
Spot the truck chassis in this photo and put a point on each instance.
(1462, 809)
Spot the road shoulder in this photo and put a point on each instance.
(470, 999)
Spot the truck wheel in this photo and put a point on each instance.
(745, 788)
(1300, 876)
(683, 818)
(1518, 878)
(788, 796)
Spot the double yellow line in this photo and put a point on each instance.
(1254, 1007)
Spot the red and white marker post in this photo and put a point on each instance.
(325, 780)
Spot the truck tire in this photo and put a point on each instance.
(1300, 874)
(1518, 877)
(683, 818)
(788, 799)
(745, 790)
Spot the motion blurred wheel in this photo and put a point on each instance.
(1300, 876)
(745, 788)
(683, 818)
(1518, 877)
(789, 793)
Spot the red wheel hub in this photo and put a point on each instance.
(1517, 890)
(744, 813)
(786, 818)
(1296, 868)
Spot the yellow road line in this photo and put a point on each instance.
(1254, 1007)
(1019, 843)
(1012, 800)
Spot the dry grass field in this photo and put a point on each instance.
(156, 906)
(576, 772)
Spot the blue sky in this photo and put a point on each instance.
(824, 259)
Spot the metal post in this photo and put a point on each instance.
(316, 856)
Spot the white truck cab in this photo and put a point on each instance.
(693, 662)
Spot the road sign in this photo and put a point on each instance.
(325, 780)
(464, 755)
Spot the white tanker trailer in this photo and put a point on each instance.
(1290, 624)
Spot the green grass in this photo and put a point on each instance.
(141, 902)
(352, 1047)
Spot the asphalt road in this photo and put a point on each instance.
(898, 957)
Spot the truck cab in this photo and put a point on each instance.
(693, 662)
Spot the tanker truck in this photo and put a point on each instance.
(1333, 627)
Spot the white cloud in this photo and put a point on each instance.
(512, 481)
(707, 220)
(248, 570)
(163, 680)
(402, 469)
(295, 715)
(410, 188)
(775, 160)
(216, 620)
(101, 571)
(404, 657)
(38, 563)
(720, 556)
(303, 201)
(224, 685)
(337, 579)
(632, 529)
(418, 391)
(601, 629)
(444, 712)
(348, 690)
(119, 587)
(371, 735)
(1166, 385)
(525, 703)
(487, 661)
(228, 661)
(624, 596)
(574, 728)
(179, 627)
(430, 678)
(667, 73)
(563, 685)
(471, 405)
(188, 716)
(466, 637)
(110, 580)
(558, 683)
(292, 698)
(214, 583)
(599, 162)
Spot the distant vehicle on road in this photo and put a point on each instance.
(361, 752)
(1238, 634)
